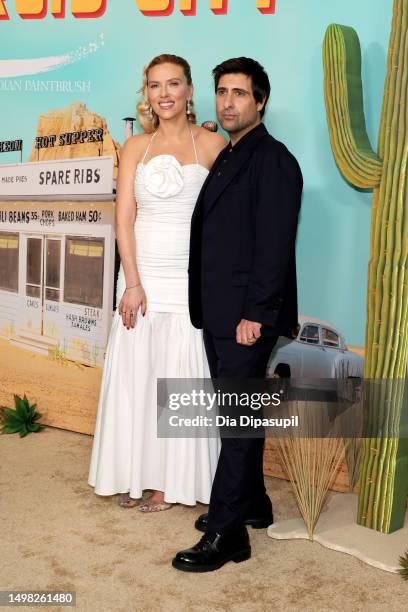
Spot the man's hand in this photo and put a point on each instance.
(248, 332)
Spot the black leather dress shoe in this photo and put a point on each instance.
(213, 551)
(261, 522)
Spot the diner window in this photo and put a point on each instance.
(9, 244)
(34, 267)
(83, 282)
(52, 274)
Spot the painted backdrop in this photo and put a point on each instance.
(55, 53)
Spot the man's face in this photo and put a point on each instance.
(237, 109)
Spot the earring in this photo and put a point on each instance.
(189, 109)
(150, 113)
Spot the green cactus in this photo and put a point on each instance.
(384, 467)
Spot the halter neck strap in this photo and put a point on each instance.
(148, 146)
(194, 145)
(154, 135)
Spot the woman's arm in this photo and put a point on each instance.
(125, 216)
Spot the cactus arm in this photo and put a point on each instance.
(387, 99)
(343, 92)
(385, 119)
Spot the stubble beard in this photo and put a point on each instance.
(231, 129)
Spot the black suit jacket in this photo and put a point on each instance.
(243, 232)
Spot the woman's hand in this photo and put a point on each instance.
(131, 300)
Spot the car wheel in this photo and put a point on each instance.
(282, 370)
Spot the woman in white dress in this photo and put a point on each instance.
(160, 176)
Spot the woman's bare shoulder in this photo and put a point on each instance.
(210, 142)
(209, 137)
(135, 146)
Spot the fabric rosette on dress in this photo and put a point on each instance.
(163, 176)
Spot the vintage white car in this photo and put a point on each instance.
(318, 351)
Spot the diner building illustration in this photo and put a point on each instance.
(57, 239)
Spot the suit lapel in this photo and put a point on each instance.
(224, 175)
(214, 169)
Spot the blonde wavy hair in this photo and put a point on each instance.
(146, 116)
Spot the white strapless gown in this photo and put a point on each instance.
(127, 456)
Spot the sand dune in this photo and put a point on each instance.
(66, 392)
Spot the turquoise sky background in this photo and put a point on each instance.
(333, 243)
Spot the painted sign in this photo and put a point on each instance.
(38, 215)
(68, 138)
(37, 9)
(87, 175)
(11, 145)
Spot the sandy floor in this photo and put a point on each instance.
(65, 392)
(58, 535)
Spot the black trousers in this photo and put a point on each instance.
(238, 490)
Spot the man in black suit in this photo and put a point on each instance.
(242, 292)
